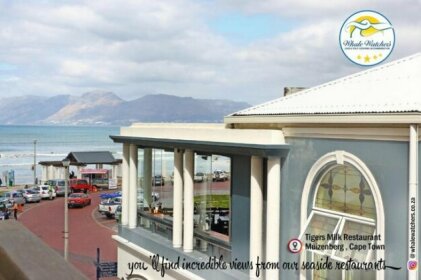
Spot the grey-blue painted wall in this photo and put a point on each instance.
(387, 161)
(240, 207)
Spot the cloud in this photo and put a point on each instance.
(139, 47)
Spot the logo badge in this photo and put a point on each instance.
(367, 38)
(412, 265)
(295, 245)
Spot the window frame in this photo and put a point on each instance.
(337, 230)
(323, 163)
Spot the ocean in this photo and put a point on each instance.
(55, 142)
(52, 143)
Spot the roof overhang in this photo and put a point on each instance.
(58, 163)
(303, 119)
(205, 138)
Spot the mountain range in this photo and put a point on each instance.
(106, 108)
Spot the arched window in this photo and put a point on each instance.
(344, 189)
(344, 210)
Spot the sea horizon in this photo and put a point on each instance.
(53, 142)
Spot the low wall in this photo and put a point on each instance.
(24, 256)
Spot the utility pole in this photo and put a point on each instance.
(35, 162)
(66, 163)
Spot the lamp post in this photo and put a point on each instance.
(35, 162)
(66, 163)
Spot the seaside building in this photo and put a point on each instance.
(308, 176)
(53, 170)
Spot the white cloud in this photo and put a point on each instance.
(139, 47)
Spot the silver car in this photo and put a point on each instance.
(30, 195)
(58, 185)
(8, 198)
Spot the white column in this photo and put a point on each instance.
(115, 171)
(54, 172)
(133, 187)
(177, 233)
(273, 214)
(125, 186)
(188, 200)
(413, 201)
(50, 172)
(44, 173)
(256, 212)
(147, 179)
(79, 169)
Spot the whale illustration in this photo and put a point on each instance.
(367, 28)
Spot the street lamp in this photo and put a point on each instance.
(66, 163)
(35, 162)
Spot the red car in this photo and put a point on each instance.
(78, 199)
(79, 185)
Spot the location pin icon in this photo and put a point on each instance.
(295, 244)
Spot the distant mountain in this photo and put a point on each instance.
(99, 107)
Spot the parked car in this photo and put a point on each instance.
(219, 175)
(44, 191)
(78, 200)
(140, 197)
(109, 206)
(79, 185)
(8, 198)
(4, 212)
(58, 184)
(117, 214)
(158, 180)
(199, 177)
(30, 195)
(110, 195)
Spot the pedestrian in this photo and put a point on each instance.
(50, 191)
(15, 210)
(20, 208)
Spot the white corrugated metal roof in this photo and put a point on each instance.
(394, 87)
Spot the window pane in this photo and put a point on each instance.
(352, 228)
(212, 187)
(155, 211)
(318, 229)
(344, 189)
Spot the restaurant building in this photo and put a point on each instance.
(299, 172)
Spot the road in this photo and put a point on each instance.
(87, 231)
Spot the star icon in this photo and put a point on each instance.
(380, 55)
(359, 56)
(366, 58)
(375, 57)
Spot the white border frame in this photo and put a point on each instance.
(341, 157)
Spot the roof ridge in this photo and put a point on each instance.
(330, 83)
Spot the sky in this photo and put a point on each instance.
(240, 50)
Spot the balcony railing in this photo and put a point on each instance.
(208, 242)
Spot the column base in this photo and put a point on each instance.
(188, 250)
(177, 245)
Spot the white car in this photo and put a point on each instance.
(109, 206)
(140, 198)
(219, 175)
(199, 177)
(44, 191)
